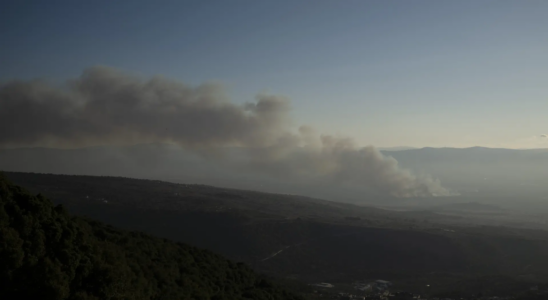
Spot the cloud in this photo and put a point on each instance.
(107, 106)
(544, 136)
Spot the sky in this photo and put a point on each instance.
(387, 73)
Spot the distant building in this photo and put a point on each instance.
(345, 296)
(363, 287)
(323, 285)
(382, 284)
(404, 296)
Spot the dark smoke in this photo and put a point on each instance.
(106, 106)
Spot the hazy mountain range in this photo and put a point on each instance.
(472, 172)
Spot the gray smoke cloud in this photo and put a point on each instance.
(107, 106)
(327, 159)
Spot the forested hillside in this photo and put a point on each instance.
(308, 240)
(47, 254)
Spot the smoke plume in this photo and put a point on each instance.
(107, 106)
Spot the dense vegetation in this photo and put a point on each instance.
(47, 254)
(313, 240)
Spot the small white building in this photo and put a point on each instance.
(323, 285)
(363, 287)
(382, 284)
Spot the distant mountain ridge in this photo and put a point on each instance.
(401, 148)
(481, 171)
(474, 171)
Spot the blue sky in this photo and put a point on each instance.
(388, 73)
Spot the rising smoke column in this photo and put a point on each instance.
(107, 106)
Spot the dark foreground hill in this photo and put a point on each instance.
(47, 254)
(311, 240)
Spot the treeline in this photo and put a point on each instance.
(47, 254)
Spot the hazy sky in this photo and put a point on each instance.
(389, 73)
